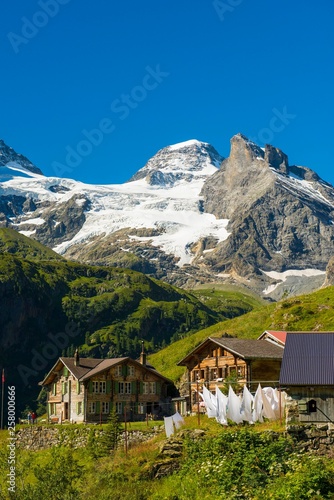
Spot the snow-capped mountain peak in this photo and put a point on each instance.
(185, 161)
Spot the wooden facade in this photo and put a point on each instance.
(86, 390)
(218, 360)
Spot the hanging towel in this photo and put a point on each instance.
(211, 406)
(247, 405)
(257, 405)
(178, 420)
(233, 406)
(267, 411)
(221, 406)
(169, 426)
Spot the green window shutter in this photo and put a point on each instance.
(78, 387)
(124, 367)
(98, 407)
(133, 387)
(116, 388)
(158, 387)
(141, 390)
(90, 386)
(108, 386)
(63, 388)
(49, 409)
(65, 372)
(77, 408)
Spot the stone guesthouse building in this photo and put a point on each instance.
(87, 389)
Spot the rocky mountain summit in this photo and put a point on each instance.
(189, 216)
(8, 157)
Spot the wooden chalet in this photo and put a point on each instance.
(307, 374)
(216, 359)
(87, 389)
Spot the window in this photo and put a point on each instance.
(99, 386)
(91, 407)
(125, 387)
(52, 409)
(131, 371)
(141, 408)
(118, 371)
(105, 407)
(79, 407)
(152, 388)
(119, 408)
(146, 387)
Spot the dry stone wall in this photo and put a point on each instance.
(37, 437)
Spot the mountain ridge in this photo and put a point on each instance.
(189, 216)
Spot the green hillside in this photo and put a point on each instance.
(15, 243)
(314, 311)
(50, 306)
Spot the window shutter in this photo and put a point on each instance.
(124, 370)
(78, 387)
(108, 386)
(65, 372)
(116, 388)
(63, 388)
(158, 387)
(90, 386)
(141, 389)
(98, 407)
(50, 410)
(133, 387)
(77, 408)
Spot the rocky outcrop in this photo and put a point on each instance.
(329, 281)
(280, 216)
(9, 156)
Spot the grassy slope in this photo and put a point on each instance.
(15, 243)
(314, 311)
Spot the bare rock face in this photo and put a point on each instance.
(8, 155)
(329, 281)
(280, 216)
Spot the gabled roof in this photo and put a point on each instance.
(108, 363)
(243, 348)
(85, 365)
(88, 367)
(273, 336)
(308, 359)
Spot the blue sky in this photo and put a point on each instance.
(92, 90)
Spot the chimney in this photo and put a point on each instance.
(76, 358)
(142, 355)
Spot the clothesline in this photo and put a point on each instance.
(266, 403)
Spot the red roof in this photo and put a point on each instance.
(281, 336)
(273, 335)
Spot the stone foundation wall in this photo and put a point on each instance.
(36, 437)
(311, 437)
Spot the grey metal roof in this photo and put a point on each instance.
(308, 359)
